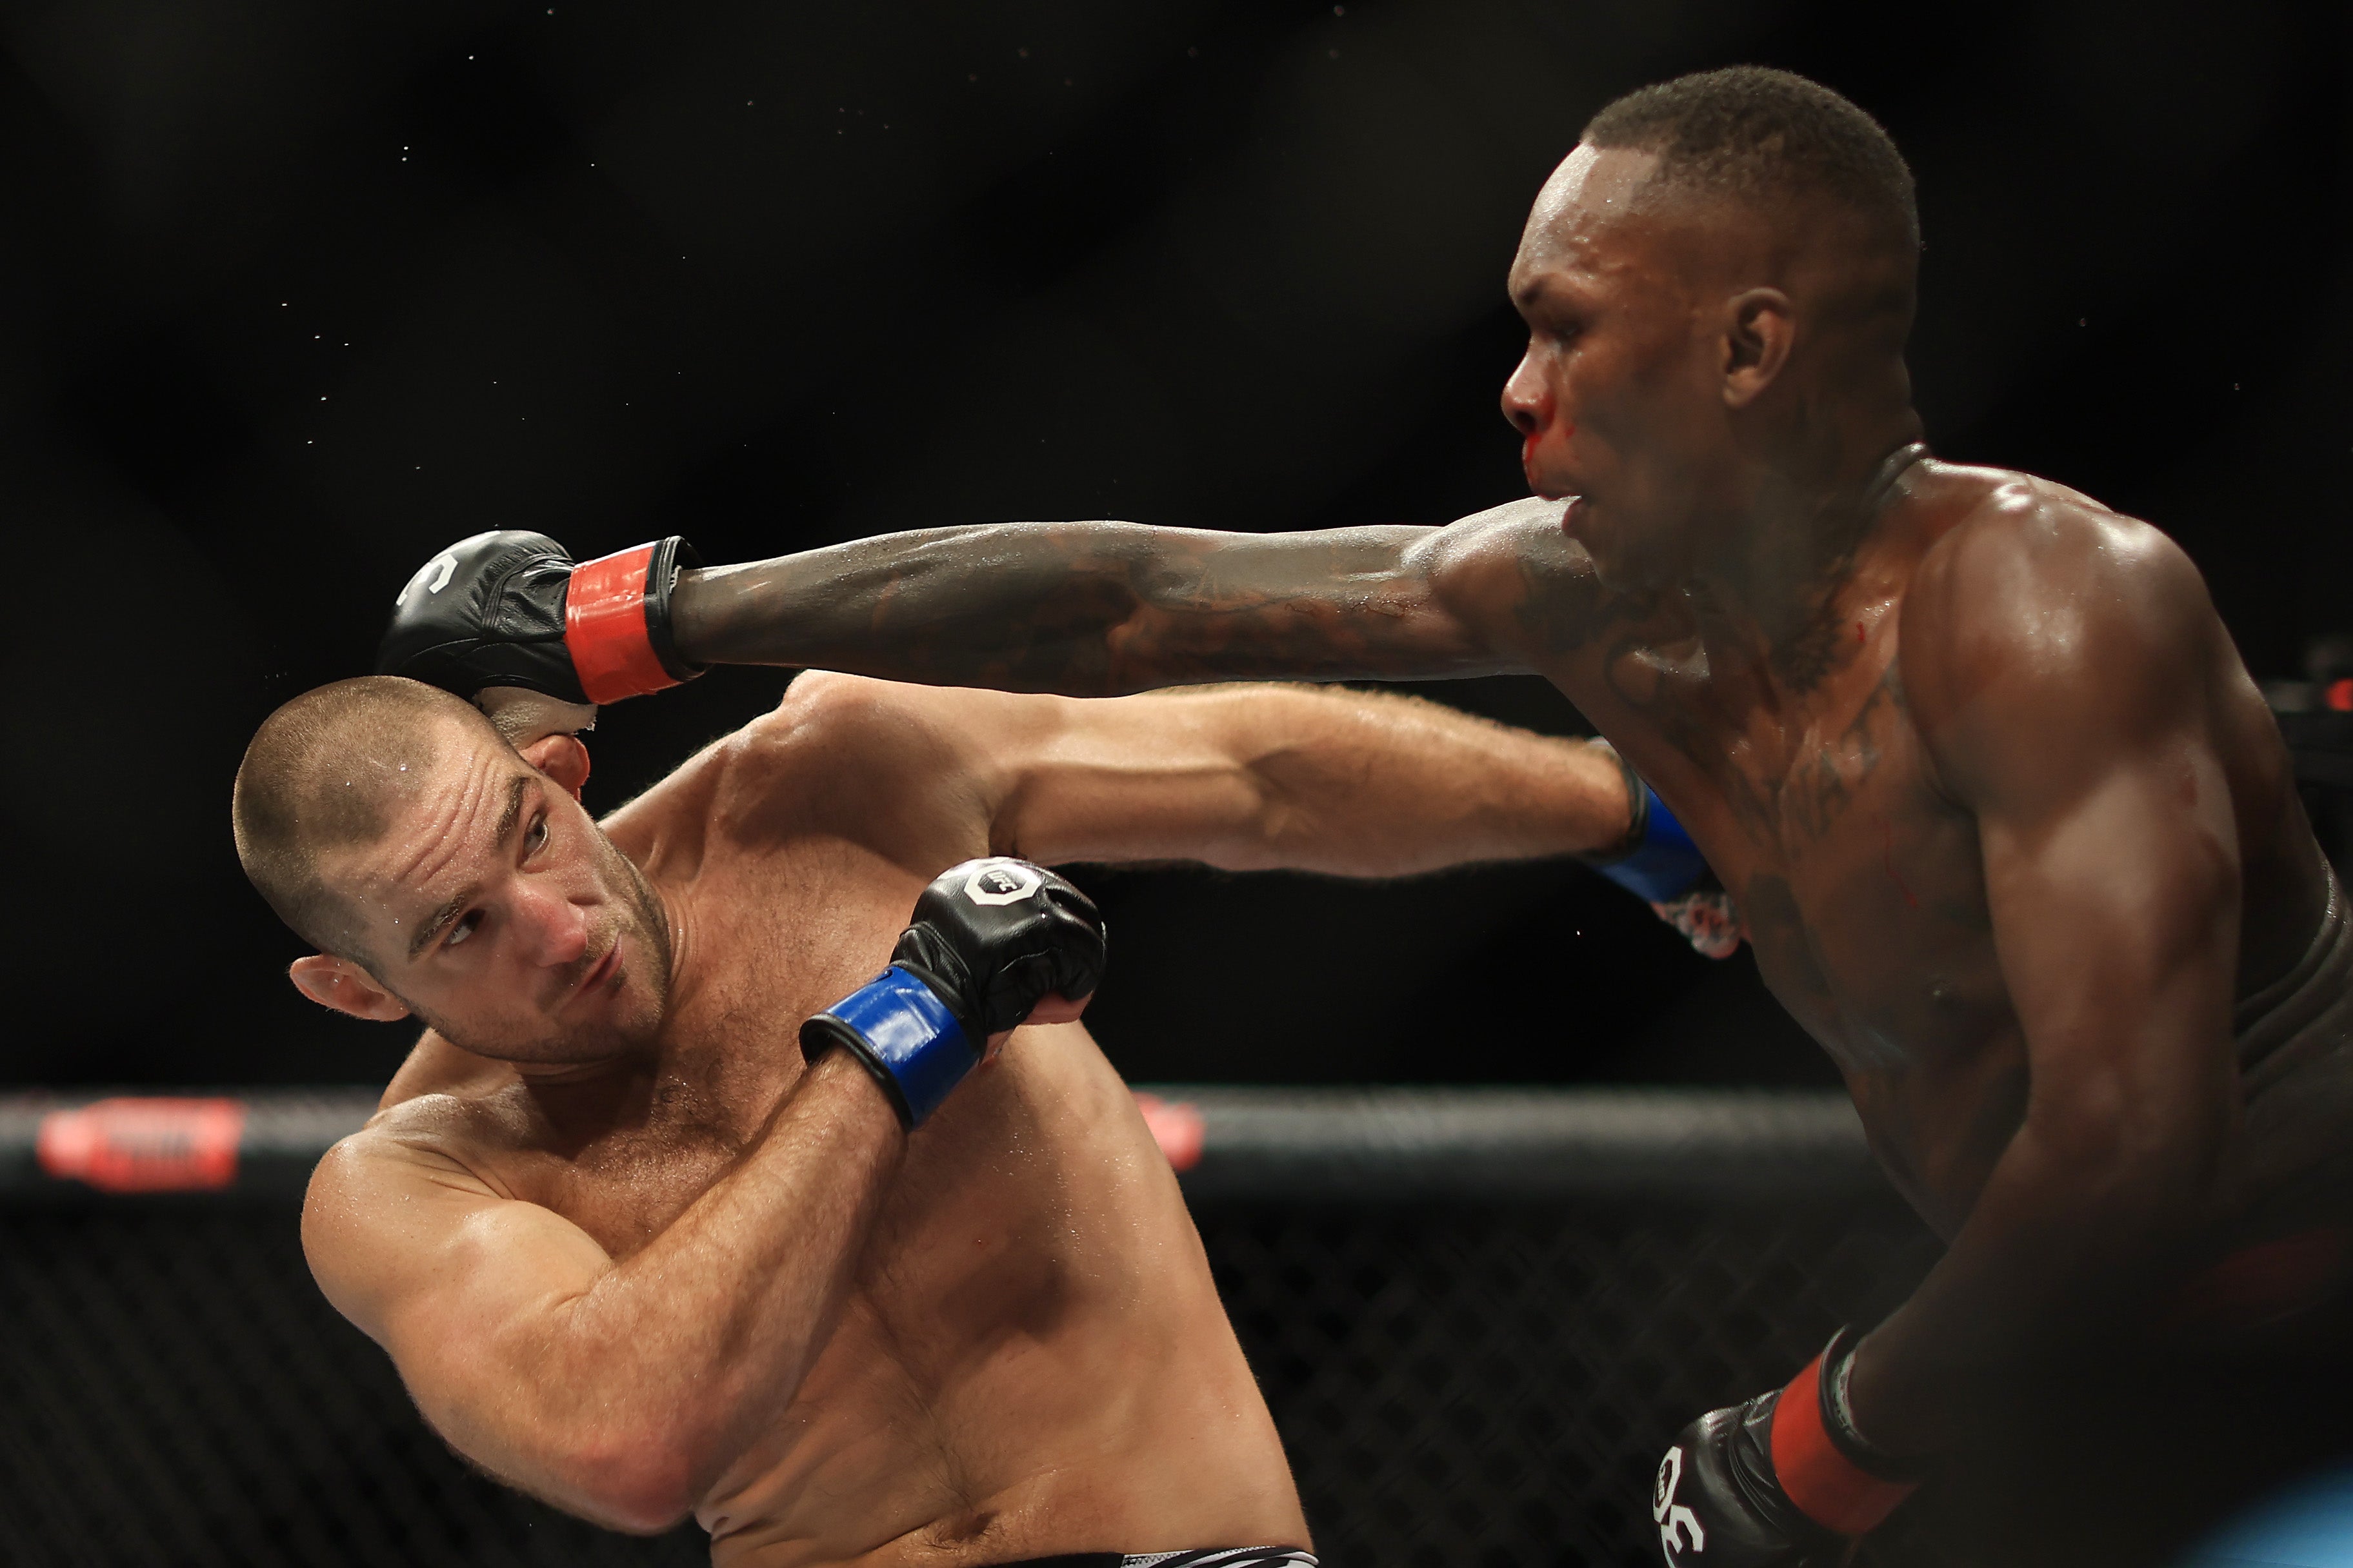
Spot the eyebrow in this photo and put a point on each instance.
(1543, 287)
(452, 908)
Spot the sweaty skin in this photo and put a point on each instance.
(2008, 823)
(690, 1274)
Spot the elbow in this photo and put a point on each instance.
(640, 1482)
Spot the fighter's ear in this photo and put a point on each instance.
(562, 758)
(1760, 329)
(340, 984)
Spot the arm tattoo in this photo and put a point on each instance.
(1086, 609)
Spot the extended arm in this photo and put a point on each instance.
(1259, 778)
(2064, 685)
(616, 1390)
(1082, 608)
(1093, 608)
(1241, 777)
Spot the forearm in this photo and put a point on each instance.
(1376, 784)
(1081, 609)
(2063, 1251)
(673, 1354)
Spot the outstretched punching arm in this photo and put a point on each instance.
(1082, 609)
(1097, 608)
(1245, 778)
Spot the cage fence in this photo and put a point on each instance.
(1477, 1317)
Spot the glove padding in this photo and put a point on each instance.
(499, 609)
(1785, 1481)
(995, 937)
(991, 939)
(1718, 1505)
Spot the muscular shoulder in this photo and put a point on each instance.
(829, 735)
(851, 731)
(467, 1127)
(370, 1195)
(890, 766)
(2036, 603)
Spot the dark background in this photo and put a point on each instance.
(298, 292)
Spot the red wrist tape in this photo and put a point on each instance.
(606, 631)
(1828, 1487)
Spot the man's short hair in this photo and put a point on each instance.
(1765, 135)
(324, 773)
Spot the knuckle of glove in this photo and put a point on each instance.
(1016, 932)
(487, 611)
(1017, 987)
(1719, 1505)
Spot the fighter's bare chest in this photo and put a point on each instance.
(764, 946)
(1858, 878)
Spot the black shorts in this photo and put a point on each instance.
(1212, 1557)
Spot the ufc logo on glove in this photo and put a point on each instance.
(1675, 1520)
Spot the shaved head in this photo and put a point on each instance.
(1718, 282)
(1770, 139)
(327, 772)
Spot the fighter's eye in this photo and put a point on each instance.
(464, 926)
(535, 836)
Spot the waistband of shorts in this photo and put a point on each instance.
(1207, 1557)
(2273, 1017)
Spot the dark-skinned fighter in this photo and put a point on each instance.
(2009, 826)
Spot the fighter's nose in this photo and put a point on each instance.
(553, 928)
(1523, 401)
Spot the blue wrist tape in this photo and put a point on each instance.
(1666, 864)
(905, 1034)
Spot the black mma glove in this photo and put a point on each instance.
(991, 939)
(1782, 1481)
(509, 608)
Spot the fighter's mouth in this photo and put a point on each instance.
(1528, 468)
(1536, 485)
(1533, 472)
(606, 967)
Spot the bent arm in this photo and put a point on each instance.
(2111, 865)
(617, 1391)
(1103, 608)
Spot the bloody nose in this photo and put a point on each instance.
(1523, 401)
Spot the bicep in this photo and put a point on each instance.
(1395, 603)
(2057, 672)
(1163, 776)
(2115, 910)
(1262, 777)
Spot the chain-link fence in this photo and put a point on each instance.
(1477, 1319)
